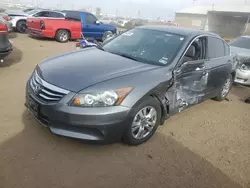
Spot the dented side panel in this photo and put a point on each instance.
(188, 88)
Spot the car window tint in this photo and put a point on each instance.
(42, 14)
(55, 15)
(241, 42)
(215, 48)
(90, 19)
(73, 15)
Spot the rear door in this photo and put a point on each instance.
(219, 63)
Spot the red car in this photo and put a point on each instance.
(60, 29)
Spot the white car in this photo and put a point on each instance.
(18, 18)
(241, 47)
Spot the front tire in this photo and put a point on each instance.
(21, 26)
(62, 36)
(106, 35)
(226, 87)
(144, 120)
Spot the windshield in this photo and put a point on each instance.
(149, 46)
(241, 42)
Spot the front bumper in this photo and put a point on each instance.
(242, 77)
(105, 124)
(36, 33)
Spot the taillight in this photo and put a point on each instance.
(42, 24)
(6, 18)
(3, 28)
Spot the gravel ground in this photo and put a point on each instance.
(205, 146)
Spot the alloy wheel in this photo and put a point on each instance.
(144, 122)
(63, 36)
(226, 87)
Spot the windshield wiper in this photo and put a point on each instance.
(100, 48)
(126, 56)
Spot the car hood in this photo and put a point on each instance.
(80, 69)
(240, 51)
(16, 13)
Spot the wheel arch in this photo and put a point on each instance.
(65, 30)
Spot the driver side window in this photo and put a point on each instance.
(90, 19)
(196, 50)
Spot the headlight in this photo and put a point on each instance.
(245, 67)
(100, 99)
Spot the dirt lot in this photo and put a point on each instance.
(205, 146)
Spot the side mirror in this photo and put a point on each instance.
(98, 22)
(190, 66)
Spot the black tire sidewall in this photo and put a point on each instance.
(58, 33)
(19, 25)
(105, 34)
(148, 101)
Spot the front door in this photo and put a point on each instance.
(91, 28)
(190, 79)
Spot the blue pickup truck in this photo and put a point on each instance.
(91, 26)
(68, 25)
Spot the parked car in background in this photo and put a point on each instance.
(130, 85)
(18, 19)
(5, 45)
(241, 48)
(122, 23)
(73, 26)
(5, 19)
(29, 9)
(105, 20)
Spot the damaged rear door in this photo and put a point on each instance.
(190, 78)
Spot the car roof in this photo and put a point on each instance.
(179, 30)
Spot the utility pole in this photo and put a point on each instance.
(116, 13)
(138, 15)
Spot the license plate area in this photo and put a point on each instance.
(33, 106)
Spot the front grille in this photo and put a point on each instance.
(46, 91)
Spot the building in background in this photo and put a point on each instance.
(229, 21)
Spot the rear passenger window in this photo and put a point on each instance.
(56, 15)
(215, 48)
(90, 19)
(73, 15)
(42, 14)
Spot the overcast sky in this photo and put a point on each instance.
(148, 8)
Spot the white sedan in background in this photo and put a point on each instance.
(241, 47)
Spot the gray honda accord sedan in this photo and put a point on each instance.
(126, 88)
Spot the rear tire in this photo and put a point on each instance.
(62, 36)
(226, 87)
(132, 135)
(21, 26)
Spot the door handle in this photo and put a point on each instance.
(200, 68)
